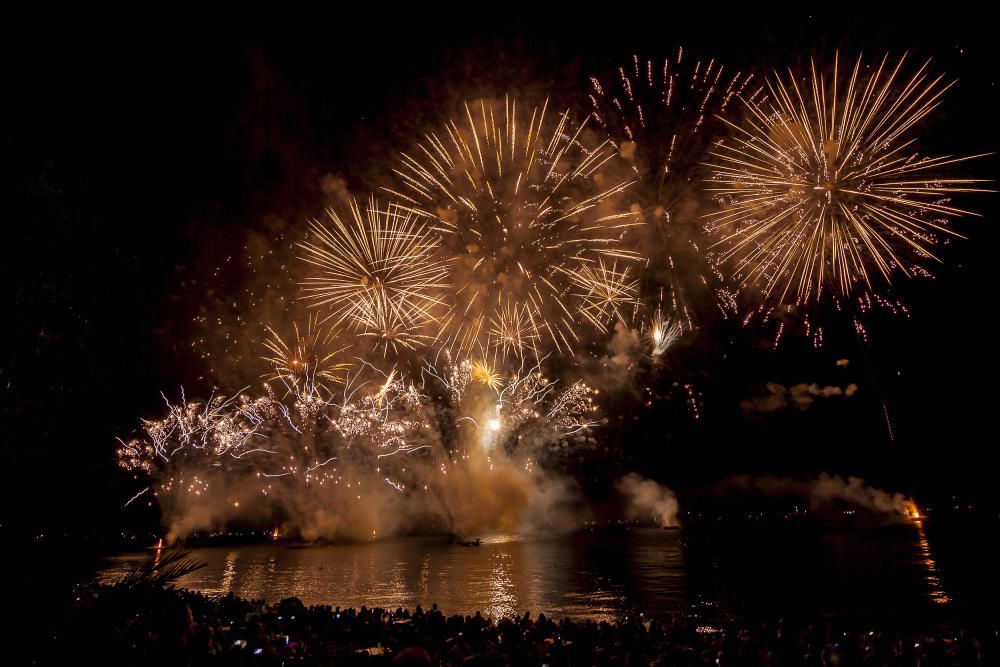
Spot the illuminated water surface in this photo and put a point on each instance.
(589, 575)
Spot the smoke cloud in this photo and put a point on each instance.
(826, 489)
(647, 499)
(800, 396)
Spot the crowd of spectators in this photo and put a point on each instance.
(189, 628)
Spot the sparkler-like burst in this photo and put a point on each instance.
(307, 456)
(486, 374)
(823, 195)
(268, 437)
(523, 413)
(662, 334)
(282, 458)
(524, 201)
(378, 272)
(661, 115)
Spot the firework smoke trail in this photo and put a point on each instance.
(525, 203)
(661, 116)
(825, 489)
(378, 272)
(823, 197)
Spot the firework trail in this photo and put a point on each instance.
(528, 208)
(661, 116)
(823, 195)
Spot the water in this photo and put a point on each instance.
(880, 570)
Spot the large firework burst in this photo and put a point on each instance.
(822, 192)
(378, 272)
(523, 201)
(661, 115)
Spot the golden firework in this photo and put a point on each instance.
(378, 272)
(521, 200)
(662, 115)
(485, 374)
(821, 190)
(663, 332)
(306, 364)
(603, 291)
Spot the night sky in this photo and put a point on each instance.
(135, 162)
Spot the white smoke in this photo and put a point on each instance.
(648, 500)
(827, 488)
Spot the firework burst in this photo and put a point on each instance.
(604, 292)
(306, 364)
(662, 334)
(661, 115)
(307, 457)
(253, 443)
(523, 412)
(378, 272)
(487, 375)
(823, 195)
(522, 200)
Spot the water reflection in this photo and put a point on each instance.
(587, 576)
(502, 598)
(888, 569)
(933, 577)
(228, 574)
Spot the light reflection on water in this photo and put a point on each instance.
(587, 575)
(932, 576)
(579, 575)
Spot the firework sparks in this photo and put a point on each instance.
(822, 193)
(266, 438)
(378, 272)
(656, 112)
(531, 395)
(376, 429)
(521, 201)
(306, 365)
(603, 291)
(523, 406)
(486, 374)
(663, 333)
(661, 115)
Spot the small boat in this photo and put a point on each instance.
(470, 543)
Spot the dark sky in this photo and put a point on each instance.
(134, 160)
